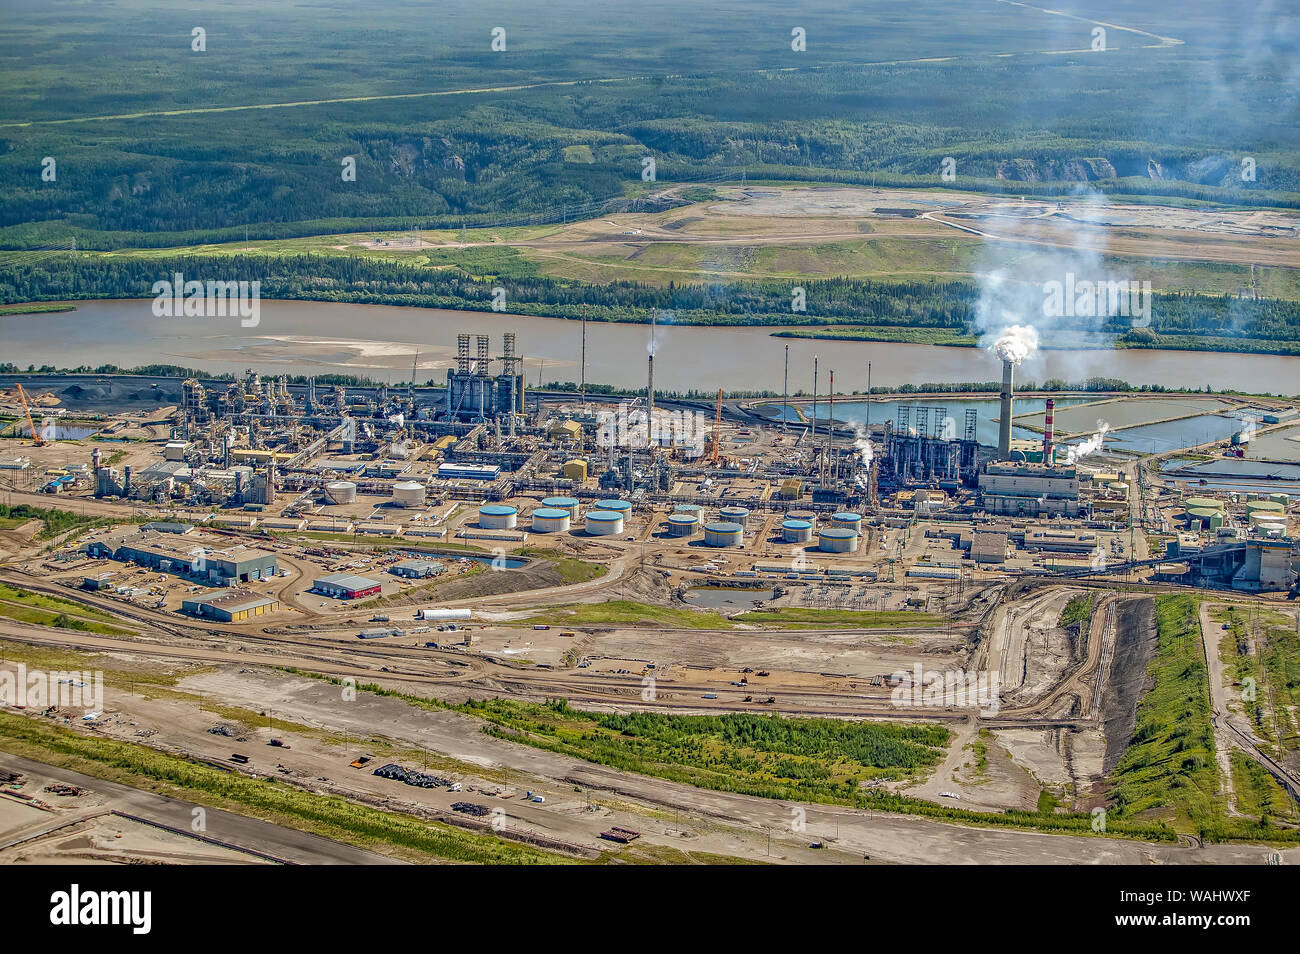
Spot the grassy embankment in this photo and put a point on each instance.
(54, 520)
(828, 761)
(1169, 773)
(24, 606)
(1264, 646)
(629, 612)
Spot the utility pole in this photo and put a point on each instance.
(814, 403)
(868, 400)
(785, 393)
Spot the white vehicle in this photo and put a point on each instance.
(950, 795)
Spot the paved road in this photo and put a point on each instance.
(250, 833)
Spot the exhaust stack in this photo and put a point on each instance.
(1004, 416)
(1048, 432)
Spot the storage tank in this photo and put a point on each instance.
(738, 515)
(808, 515)
(1266, 516)
(1283, 499)
(723, 534)
(615, 506)
(341, 492)
(498, 517)
(1264, 506)
(562, 503)
(1207, 503)
(796, 531)
(846, 520)
(682, 524)
(551, 519)
(446, 614)
(602, 523)
(408, 493)
(694, 509)
(838, 540)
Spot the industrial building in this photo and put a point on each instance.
(191, 554)
(230, 606)
(449, 471)
(989, 546)
(916, 454)
(416, 569)
(474, 393)
(346, 586)
(1029, 490)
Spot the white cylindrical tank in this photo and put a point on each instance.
(682, 524)
(498, 517)
(550, 520)
(838, 540)
(563, 503)
(408, 493)
(724, 534)
(738, 515)
(341, 492)
(796, 531)
(846, 520)
(602, 523)
(446, 614)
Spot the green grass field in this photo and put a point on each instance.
(1169, 771)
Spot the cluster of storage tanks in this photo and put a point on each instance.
(609, 518)
(557, 515)
(1264, 513)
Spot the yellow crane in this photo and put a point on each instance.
(37, 440)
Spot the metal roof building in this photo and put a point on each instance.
(230, 606)
(346, 586)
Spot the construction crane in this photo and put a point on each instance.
(37, 440)
(717, 429)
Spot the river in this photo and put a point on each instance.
(380, 341)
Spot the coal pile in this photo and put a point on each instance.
(408, 776)
(471, 808)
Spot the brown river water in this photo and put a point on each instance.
(380, 341)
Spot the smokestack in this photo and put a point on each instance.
(1048, 432)
(1004, 416)
(650, 391)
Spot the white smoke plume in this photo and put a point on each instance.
(1091, 446)
(1015, 343)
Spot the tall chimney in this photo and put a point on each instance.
(1048, 432)
(650, 393)
(1004, 416)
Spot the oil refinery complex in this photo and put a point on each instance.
(483, 539)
